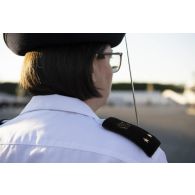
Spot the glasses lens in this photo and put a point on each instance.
(115, 63)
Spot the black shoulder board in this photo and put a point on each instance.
(147, 142)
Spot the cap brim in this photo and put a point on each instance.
(21, 43)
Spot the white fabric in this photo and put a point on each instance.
(55, 128)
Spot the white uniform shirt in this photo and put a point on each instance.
(56, 128)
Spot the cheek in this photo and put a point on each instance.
(104, 72)
(106, 79)
(109, 73)
(103, 75)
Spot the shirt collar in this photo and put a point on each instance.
(59, 103)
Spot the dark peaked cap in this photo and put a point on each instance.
(21, 43)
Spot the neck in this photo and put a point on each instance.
(95, 103)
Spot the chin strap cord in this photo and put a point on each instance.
(132, 85)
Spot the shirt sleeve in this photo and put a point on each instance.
(159, 156)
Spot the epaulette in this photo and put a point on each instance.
(146, 141)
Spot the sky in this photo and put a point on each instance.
(154, 57)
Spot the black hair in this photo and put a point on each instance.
(63, 70)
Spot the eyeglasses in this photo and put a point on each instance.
(115, 60)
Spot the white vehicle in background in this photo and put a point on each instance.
(186, 98)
